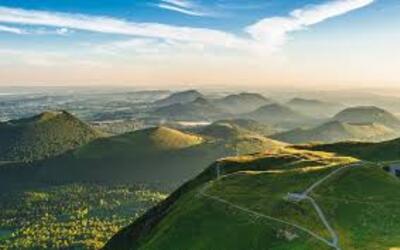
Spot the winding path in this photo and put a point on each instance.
(305, 196)
(296, 197)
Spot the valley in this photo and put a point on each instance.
(199, 167)
(71, 215)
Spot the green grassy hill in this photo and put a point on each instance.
(383, 151)
(42, 136)
(338, 131)
(243, 141)
(248, 208)
(154, 155)
(251, 125)
(278, 115)
(224, 130)
(151, 155)
(368, 114)
(241, 103)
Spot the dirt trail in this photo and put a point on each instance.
(296, 197)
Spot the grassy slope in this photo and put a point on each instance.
(43, 136)
(151, 155)
(236, 127)
(337, 131)
(251, 125)
(155, 154)
(363, 204)
(384, 151)
(242, 140)
(189, 220)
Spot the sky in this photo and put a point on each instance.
(162, 43)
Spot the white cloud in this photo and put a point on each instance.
(117, 26)
(180, 3)
(180, 10)
(184, 7)
(149, 46)
(63, 31)
(266, 34)
(274, 30)
(12, 30)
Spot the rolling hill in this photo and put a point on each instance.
(241, 103)
(251, 125)
(155, 155)
(199, 109)
(368, 114)
(42, 136)
(222, 130)
(179, 97)
(377, 152)
(315, 108)
(279, 115)
(241, 140)
(150, 155)
(252, 204)
(338, 131)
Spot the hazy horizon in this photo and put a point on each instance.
(172, 124)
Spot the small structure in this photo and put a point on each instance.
(394, 169)
(295, 197)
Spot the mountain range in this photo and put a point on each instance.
(152, 155)
(239, 176)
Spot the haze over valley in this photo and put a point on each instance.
(199, 124)
(129, 150)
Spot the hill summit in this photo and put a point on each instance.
(241, 103)
(336, 131)
(179, 97)
(277, 114)
(368, 114)
(42, 136)
(165, 138)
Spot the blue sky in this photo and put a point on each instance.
(126, 41)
